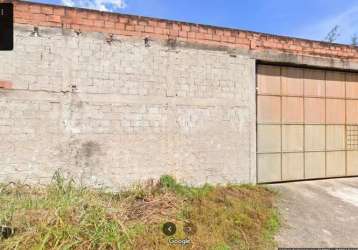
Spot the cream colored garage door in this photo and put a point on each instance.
(307, 123)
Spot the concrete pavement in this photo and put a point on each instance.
(322, 213)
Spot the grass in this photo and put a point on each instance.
(65, 216)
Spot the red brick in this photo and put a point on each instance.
(219, 32)
(231, 39)
(47, 15)
(183, 34)
(23, 15)
(152, 23)
(39, 17)
(133, 21)
(174, 33)
(203, 30)
(86, 22)
(227, 33)
(185, 27)
(216, 38)
(47, 10)
(191, 35)
(194, 28)
(35, 9)
(242, 40)
(211, 31)
(130, 27)
(139, 28)
(161, 31)
(242, 34)
(21, 20)
(92, 15)
(208, 37)
(176, 27)
(82, 14)
(253, 44)
(123, 19)
(201, 36)
(143, 23)
(149, 29)
(5, 84)
(59, 11)
(71, 12)
(112, 18)
(53, 18)
(109, 24)
(162, 24)
(120, 26)
(21, 7)
(98, 23)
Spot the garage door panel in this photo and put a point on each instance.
(335, 84)
(335, 137)
(335, 111)
(292, 110)
(292, 81)
(269, 80)
(352, 137)
(269, 109)
(315, 137)
(292, 166)
(314, 83)
(352, 162)
(315, 165)
(336, 162)
(269, 167)
(315, 110)
(352, 85)
(352, 111)
(316, 118)
(269, 138)
(292, 138)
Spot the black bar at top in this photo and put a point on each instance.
(6, 26)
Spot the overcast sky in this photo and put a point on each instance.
(311, 19)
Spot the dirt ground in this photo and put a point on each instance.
(321, 213)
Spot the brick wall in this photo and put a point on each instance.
(127, 25)
(83, 92)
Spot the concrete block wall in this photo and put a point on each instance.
(116, 113)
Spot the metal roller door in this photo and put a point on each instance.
(307, 123)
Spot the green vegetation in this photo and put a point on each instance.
(64, 216)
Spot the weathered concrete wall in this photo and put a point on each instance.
(113, 111)
(84, 93)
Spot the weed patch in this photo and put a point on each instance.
(65, 216)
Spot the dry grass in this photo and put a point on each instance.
(63, 216)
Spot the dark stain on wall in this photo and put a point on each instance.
(89, 149)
